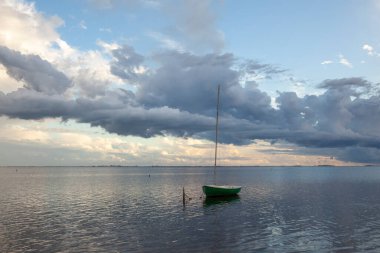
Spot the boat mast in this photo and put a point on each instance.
(216, 131)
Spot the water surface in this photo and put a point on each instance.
(139, 209)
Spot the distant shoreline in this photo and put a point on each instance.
(189, 166)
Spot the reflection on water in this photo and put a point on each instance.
(126, 210)
(222, 200)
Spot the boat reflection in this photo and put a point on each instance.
(210, 201)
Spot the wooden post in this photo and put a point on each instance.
(183, 196)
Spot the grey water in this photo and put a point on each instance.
(140, 209)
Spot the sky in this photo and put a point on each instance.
(134, 82)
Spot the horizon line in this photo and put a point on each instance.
(321, 165)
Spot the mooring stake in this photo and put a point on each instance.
(183, 196)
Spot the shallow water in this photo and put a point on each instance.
(117, 209)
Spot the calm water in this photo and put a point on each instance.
(84, 209)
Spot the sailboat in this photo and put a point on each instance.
(213, 190)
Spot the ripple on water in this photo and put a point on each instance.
(125, 210)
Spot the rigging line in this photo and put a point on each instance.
(216, 131)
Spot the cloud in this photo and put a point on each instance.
(20, 133)
(90, 71)
(332, 119)
(37, 74)
(359, 154)
(344, 61)
(167, 42)
(368, 48)
(253, 67)
(30, 104)
(197, 22)
(82, 25)
(343, 82)
(108, 30)
(178, 97)
(33, 35)
(102, 4)
(327, 62)
(24, 29)
(126, 63)
(8, 84)
(111, 4)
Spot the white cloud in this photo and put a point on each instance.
(24, 29)
(31, 32)
(327, 62)
(90, 72)
(107, 47)
(344, 61)
(167, 42)
(368, 48)
(108, 148)
(82, 25)
(20, 133)
(8, 84)
(108, 30)
(71, 135)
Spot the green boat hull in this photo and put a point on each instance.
(220, 190)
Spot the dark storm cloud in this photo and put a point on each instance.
(30, 104)
(256, 68)
(359, 154)
(178, 98)
(188, 82)
(367, 116)
(88, 85)
(118, 112)
(125, 63)
(344, 82)
(334, 119)
(149, 122)
(37, 74)
(357, 85)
